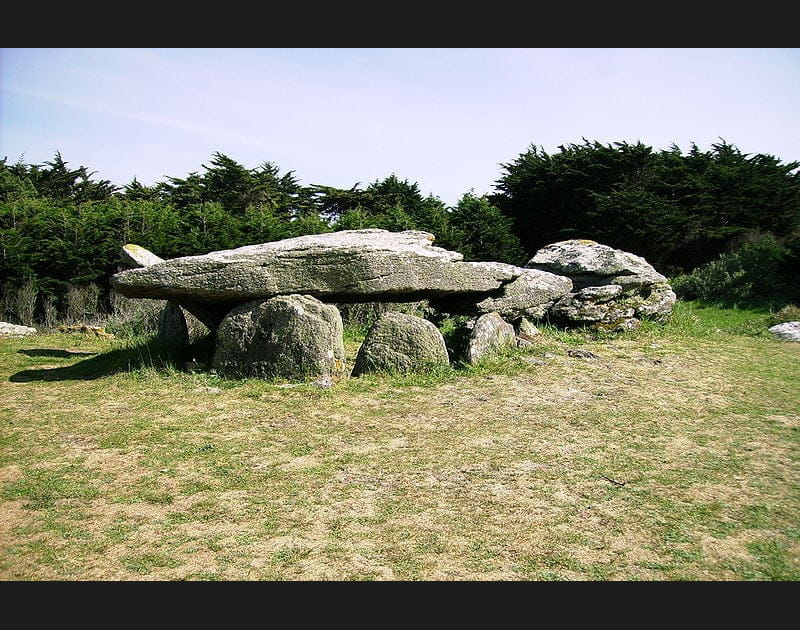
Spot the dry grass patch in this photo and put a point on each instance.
(670, 457)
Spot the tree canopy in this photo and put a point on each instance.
(677, 210)
(59, 225)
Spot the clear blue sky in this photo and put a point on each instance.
(445, 118)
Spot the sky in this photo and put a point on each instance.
(444, 118)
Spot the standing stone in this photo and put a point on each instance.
(172, 328)
(401, 343)
(489, 335)
(289, 336)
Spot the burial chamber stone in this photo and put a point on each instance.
(398, 342)
(172, 328)
(137, 256)
(489, 335)
(530, 295)
(611, 288)
(590, 264)
(288, 336)
(352, 265)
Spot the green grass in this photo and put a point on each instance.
(672, 456)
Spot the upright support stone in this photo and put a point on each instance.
(172, 328)
(489, 335)
(401, 343)
(289, 336)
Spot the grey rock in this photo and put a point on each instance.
(658, 304)
(787, 331)
(290, 336)
(589, 263)
(531, 294)
(576, 310)
(526, 333)
(172, 328)
(14, 330)
(400, 343)
(600, 294)
(612, 289)
(583, 354)
(138, 256)
(526, 327)
(353, 265)
(489, 335)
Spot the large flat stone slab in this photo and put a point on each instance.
(353, 265)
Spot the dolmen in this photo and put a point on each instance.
(271, 305)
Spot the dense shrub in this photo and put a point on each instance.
(789, 313)
(759, 272)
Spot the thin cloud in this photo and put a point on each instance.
(145, 118)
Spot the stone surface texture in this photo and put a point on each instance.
(489, 335)
(530, 295)
(15, 330)
(787, 331)
(291, 336)
(612, 289)
(352, 265)
(398, 342)
(172, 328)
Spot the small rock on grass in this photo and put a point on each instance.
(583, 354)
(788, 331)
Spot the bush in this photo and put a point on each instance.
(133, 318)
(49, 312)
(789, 313)
(757, 273)
(82, 304)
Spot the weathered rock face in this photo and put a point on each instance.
(14, 330)
(290, 336)
(531, 295)
(489, 334)
(657, 304)
(353, 265)
(400, 343)
(526, 333)
(172, 328)
(138, 256)
(787, 331)
(612, 289)
(591, 264)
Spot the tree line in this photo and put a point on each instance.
(61, 227)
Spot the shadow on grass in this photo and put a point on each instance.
(55, 352)
(138, 355)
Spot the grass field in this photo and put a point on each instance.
(673, 456)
